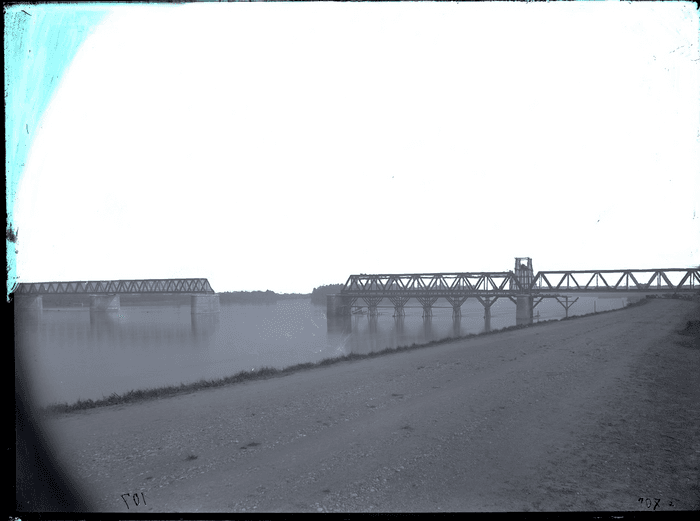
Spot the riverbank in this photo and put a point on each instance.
(138, 395)
(593, 413)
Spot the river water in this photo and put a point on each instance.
(73, 354)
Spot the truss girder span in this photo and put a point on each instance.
(506, 284)
(117, 287)
(433, 282)
(668, 280)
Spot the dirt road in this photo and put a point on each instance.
(587, 414)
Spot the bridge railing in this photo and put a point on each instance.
(118, 287)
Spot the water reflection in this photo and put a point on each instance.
(27, 318)
(339, 324)
(205, 325)
(399, 324)
(104, 323)
(373, 321)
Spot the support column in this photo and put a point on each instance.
(104, 303)
(399, 303)
(487, 315)
(523, 310)
(487, 303)
(456, 327)
(427, 303)
(372, 303)
(567, 305)
(456, 303)
(205, 304)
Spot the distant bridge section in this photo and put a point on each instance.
(116, 287)
(104, 294)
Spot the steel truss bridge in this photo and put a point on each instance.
(117, 287)
(487, 287)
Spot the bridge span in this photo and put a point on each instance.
(104, 294)
(522, 286)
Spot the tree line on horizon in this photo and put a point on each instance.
(257, 296)
(318, 295)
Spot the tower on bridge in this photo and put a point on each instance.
(524, 276)
(523, 271)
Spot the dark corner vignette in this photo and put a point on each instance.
(40, 484)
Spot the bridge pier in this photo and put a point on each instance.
(205, 304)
(427, 303)
(523, 310)
(456, 326)
(487, 316)
(28, 311)
(24, 303)
(337, 306)
(456, 303)
(372, 303)
(104, 303)
(399, 303)
(487, 303)
(104, 311)
(205, 311)
(204, 324)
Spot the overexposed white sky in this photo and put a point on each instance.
(283, 146)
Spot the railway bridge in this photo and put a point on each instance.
(522, 286)
(104, 294)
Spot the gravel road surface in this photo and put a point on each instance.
(597, 413)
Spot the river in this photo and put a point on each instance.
(72, 354)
